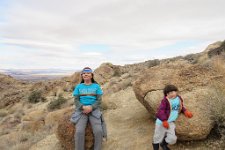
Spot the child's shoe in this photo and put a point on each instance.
(155, 146)
(164, 145)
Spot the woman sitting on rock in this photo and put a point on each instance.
(87, 97)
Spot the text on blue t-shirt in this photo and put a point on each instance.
(82, 89)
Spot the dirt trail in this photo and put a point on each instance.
(129, 125)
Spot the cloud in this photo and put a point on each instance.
(119, 31)
(34, 44)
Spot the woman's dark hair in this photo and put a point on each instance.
(92, 79)
(169, 88)
(90, 70)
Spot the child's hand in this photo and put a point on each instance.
(166, 124)
(188, 114)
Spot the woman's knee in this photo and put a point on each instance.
(80, 131)
(97, 130)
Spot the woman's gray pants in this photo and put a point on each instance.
(80, 131)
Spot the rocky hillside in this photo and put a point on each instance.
(11, 91)
(132, 94)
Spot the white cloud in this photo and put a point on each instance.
(51, 31)
(35, 44)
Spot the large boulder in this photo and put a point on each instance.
(66, 130)
(52, 118)
(105, 72)
(193, 82)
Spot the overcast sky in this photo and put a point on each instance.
(72, 34)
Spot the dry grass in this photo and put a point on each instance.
(217, 109)
(217, 97)
(21, 140)
(19, 113)
(57, 103)
(36, 96)
(21, 146)
(219, 64)
(17, 108)
(3, 113)
(4, 132)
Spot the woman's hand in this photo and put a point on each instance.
(87, 109)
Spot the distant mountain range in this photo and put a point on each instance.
(37, 74)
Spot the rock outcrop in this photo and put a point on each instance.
(105, 72)
(11, 90)
(193, 82)
(218, 49)
(66, 130)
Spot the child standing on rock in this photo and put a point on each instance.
(168, 112)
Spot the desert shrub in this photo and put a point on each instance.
(217, 106)
(217, 51)
(217, 100)
(192, 58)
(36, 96)
(117, 72)
(56, 104)
(152, 63)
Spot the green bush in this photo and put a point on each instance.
(36, 96)
(56, 104)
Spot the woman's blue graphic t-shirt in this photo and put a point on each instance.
(85, 91)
